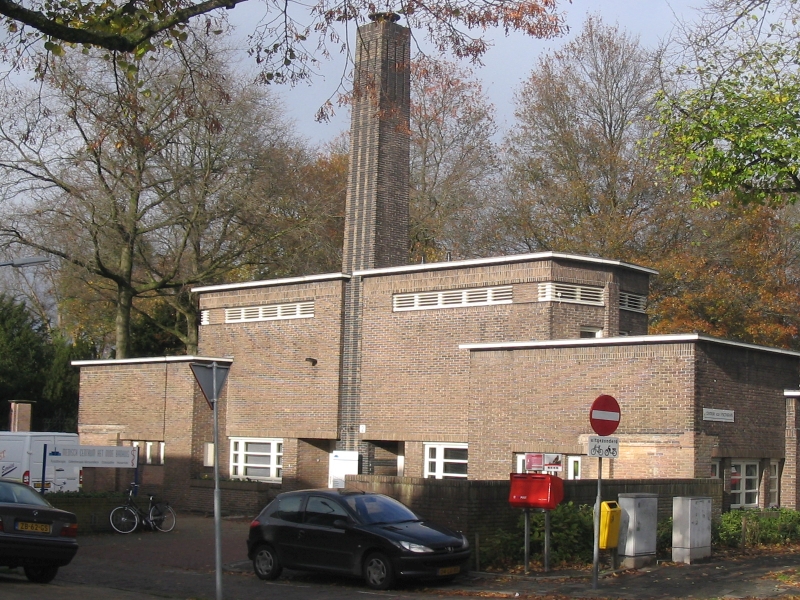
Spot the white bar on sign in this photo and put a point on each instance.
(605, 415)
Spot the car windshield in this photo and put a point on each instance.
(379, 509)
(20, 494)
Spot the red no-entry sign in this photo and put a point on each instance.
(604, 415)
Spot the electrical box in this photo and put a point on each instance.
(535, 490)
(610, 516)
(342, 462)
(638, 529)
(691, 529)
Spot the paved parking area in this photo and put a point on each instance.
(147, 565)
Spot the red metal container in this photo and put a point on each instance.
(534, 490)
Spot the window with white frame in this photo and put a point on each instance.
(256, 458)
(453, 298)
(774, 483)
(446, 461)
(591, 332)
(270, 312)
(715, 469)
(744, 484)
(550, 291)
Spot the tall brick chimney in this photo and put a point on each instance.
(376, 215)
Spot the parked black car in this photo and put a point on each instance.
(33, 534)
(355, 533)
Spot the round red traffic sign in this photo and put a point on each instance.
(604, 415)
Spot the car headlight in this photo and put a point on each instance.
(412, 547)
(464, 541)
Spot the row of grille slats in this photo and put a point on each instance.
(565, 292)
(453, 298)
(294, 310)
(634, 302)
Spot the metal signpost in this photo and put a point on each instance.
(211, 377)
(604, 416)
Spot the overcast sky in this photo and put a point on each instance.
(506, 65)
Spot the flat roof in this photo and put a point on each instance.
(507, 259)
(625, 340)
(269, 282)
(153, 359)
(437, 266)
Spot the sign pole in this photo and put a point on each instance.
(596, 561)
(217, 497)
(44, 467)
(546, 540)
(527, 538)
(211, 377)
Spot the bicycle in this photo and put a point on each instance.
(126, 518)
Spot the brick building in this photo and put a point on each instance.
(454, 369)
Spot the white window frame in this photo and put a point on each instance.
(452, 298)
(744, 493)
(270, 312)
(550, 291)
(716, 468)
(435, 465)
(596, 332)
(238, 458)
(774, 484)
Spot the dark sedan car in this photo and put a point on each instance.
(33, 534)
(355, 533)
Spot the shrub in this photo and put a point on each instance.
(778, 526)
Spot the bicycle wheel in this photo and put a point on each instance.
(162, 517)
(123, 519)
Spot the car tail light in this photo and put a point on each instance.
(254, 523)
(1, 525)
(69, 530)
(80, 477)
(26, 478)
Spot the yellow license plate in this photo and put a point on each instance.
(37, 527)
(448, 571)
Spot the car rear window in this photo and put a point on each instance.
(11, 493)
(288, 509)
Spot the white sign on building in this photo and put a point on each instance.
(718, 414)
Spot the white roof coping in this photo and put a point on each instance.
(625, 340)
(506, 259)
(269, 282)
(150, 360)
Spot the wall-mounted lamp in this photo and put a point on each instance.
(313, 361)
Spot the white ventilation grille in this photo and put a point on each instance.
(272, 312)
(205, 319)
(565, 292)
(453, 298)
(634, 302)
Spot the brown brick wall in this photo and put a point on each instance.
(414, 378)
(537, 400)
(272, 391)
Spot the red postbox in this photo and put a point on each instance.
(534, 490)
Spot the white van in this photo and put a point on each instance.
(22, 454)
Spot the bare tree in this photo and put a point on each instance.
(145, 183)
(454, 162)
(582, 176)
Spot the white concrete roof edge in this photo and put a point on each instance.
(269, 282)
(622, 340)
(508, 258)
(152, 359)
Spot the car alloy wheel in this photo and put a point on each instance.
(378, 572)
(265, 563)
